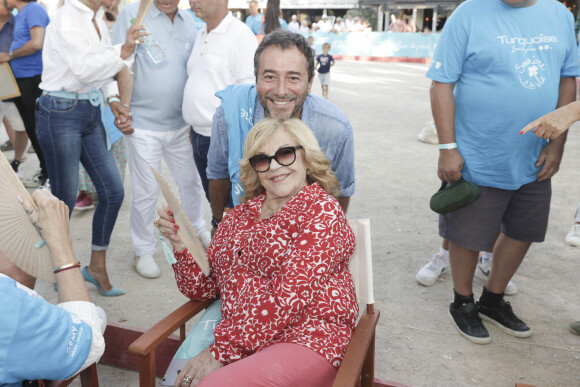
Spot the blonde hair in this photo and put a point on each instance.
(317, 164)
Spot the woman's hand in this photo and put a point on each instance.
(553, 124)
(197, 368)
(4, 57)
(169, 228)
(134, 33)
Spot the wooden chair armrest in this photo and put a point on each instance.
(149, 340)
(350, 368)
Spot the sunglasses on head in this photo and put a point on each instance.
(284, 156)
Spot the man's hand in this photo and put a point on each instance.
(198, 368)
(4, 57)
(123, 118)
(550, 158)
(450, 165)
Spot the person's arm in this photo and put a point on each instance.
(52, 222)
(552, 125)
(122, 110)
(344, 201)
(443, 109)
(269, 305)
(551, 156)
(29, 48)
(220, 186)
(191, 281)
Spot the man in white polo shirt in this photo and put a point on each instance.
(223, 55)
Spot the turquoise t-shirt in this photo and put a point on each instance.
(506, 64)
(38, 340)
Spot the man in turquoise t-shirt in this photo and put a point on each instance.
(499, 64)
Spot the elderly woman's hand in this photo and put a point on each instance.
(197, 368)
(169, 228)
(51, 221)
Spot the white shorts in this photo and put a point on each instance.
(9, 110)
(324, 78)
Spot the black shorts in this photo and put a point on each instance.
(522, 215)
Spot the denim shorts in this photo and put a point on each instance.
(522, 215)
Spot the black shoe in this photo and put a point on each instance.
(468, 323)
(505, 319)
(15, 164)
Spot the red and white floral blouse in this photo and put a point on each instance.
(281, 279)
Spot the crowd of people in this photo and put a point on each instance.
(233, 117)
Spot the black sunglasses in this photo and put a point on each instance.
(284, 156)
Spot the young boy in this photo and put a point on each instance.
(323, 63)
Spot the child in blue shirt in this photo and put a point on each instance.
(323, 63)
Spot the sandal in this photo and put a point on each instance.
(7, 146)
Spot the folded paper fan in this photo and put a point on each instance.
(18, 237)
(186, 231)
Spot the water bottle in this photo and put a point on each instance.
(153, 48)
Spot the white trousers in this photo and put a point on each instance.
(147, 147)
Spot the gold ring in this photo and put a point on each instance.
(156, 223)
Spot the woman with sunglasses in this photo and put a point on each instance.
(279, 262)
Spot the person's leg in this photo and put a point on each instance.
(100, 165)
(200, 145)
(178, 156)
(9, 129)
(20, 140)
(508, 254)
(282, 364)
(60, 125)
(469, 230)
(26, 104)
(144, 148)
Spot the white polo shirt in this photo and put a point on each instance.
(223, 57)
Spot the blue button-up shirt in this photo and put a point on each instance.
(158, 88)
(330, 126)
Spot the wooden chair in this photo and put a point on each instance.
(357, 368)
(88, 376)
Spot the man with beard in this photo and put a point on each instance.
(284, 69)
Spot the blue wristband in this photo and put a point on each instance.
(453, 145)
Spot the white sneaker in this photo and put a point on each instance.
(431, 271)
(146, 266)
(46, 185)
(205, 238)
(573, 237)
(35, 181)
(482, 272)
(428, 134)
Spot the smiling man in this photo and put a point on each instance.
(160, 130)
(284, 70)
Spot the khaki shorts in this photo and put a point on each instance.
(9, 110)
(522, 215)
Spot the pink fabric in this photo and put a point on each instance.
(282, 364)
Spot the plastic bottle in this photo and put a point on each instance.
(151, 46)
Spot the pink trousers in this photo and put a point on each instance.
(282, 364)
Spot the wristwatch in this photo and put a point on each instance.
(215, 222)
(10, 55)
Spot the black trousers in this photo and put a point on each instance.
(26, 105)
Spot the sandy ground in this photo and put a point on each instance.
(396, 174)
